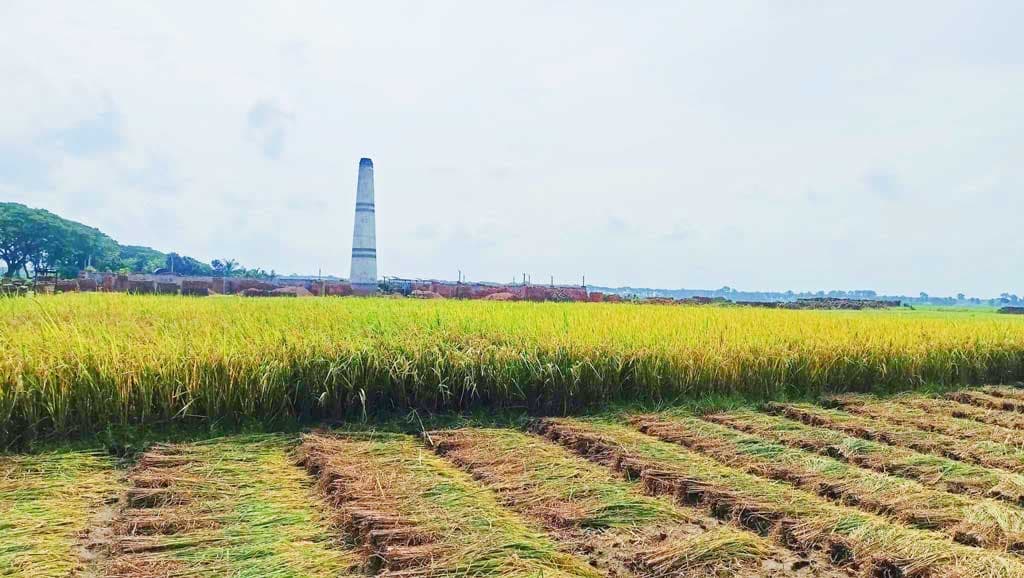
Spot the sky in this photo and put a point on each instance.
(759, 145)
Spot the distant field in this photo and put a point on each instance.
(80, 363)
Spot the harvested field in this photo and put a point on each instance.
(973, 522)
(47, 503)
(987, 400)
(606, 519)
(799, 518)
(227, 507)
(1004, 391)
(886, 411)
(952, 408)
(82, 362)
(744, 493)
(420, 516)
(935, 471)
(980, 452)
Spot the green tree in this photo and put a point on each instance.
(184, 265)
(226, 267)
(23, 233)
(138, 259)
(42, 240)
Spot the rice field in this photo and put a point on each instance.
(75, 364)
(594, 440)
(762, 491)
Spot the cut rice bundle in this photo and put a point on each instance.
(879, 545)
(421, 517)
(934, 471)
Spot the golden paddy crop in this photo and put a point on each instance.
(74, 363)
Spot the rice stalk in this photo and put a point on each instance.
(976, 451)
(794, 514)
(931, 470)
(77, 363)
(420, 516)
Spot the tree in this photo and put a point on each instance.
(183, 265)
(22, 234)
(137, 259)
(45, 241)
(35, 239)
(226, 267)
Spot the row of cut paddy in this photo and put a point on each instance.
(799, 517)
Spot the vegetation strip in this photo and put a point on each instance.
(234, 506)
(963, 429)
(986, 523)
(935, 406)
(605, 517)
(85, 362)
(420, 516)
(980, 452)
(988, 401)
(47, 502)
(798, 516)
(935, 471)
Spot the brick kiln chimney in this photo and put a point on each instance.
(364, 235)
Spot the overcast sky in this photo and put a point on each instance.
(760, 145)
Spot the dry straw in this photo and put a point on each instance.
(47, 502)
(976, 451)
(800, 516)
(421, 517)
(931, 470)
(971, 521)
(595, 512)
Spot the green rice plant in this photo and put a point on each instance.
(974, 522)
(938, 406)
(78, 363)
(976, 451)
(804, 517)
(931, 470)
(234, 506)
(590, 508)
(422, 517)
(889, 411)
(48, 503)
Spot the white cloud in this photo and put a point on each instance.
(748, 144)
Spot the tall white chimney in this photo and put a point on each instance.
(364, 235)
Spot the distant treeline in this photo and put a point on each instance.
(36, 240)
(738, 295)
